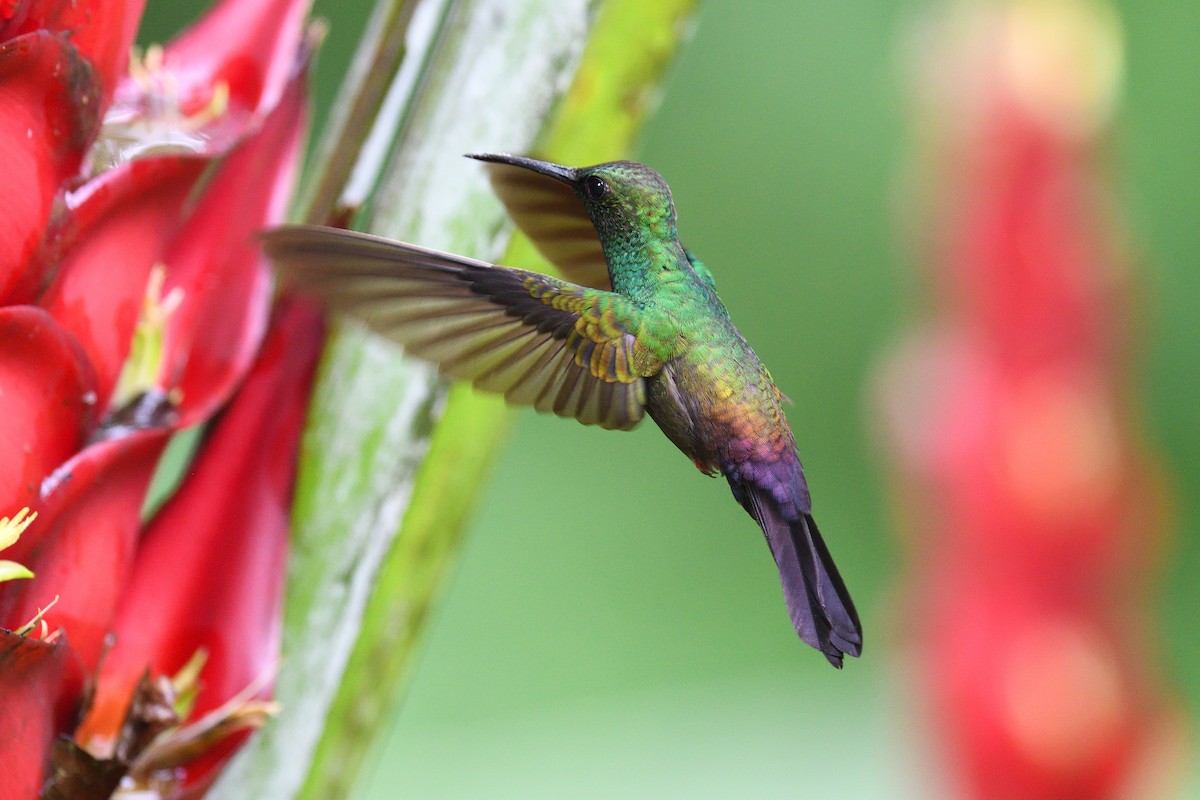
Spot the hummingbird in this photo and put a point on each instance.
(637, 328)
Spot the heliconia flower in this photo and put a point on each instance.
(1030, 506)
(144, 300)
(213, 264)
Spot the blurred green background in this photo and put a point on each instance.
(615, 626)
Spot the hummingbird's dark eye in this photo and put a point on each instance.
(595, 188)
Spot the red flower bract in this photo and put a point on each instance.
(47, 392)
(39, 684)
(49, 112)
(124, 216)
(218, 267)
(101, 30)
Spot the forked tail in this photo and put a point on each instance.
(817, 600)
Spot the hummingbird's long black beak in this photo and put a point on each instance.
(567, 175)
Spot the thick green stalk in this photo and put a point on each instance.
(391, 462)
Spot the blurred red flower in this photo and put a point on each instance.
(1031, 505)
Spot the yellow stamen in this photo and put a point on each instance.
(186, 683)
(141, 368)
(10, 531)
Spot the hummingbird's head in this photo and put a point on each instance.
(624, 199)
(624, 195)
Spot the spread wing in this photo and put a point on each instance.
(536, 340)
(555, 220)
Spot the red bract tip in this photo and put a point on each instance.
(248, 45)
(209, 571)
(101, 30)
(40, 683)
(49, 112)
(49, 404)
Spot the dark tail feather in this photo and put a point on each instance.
(817, 600)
